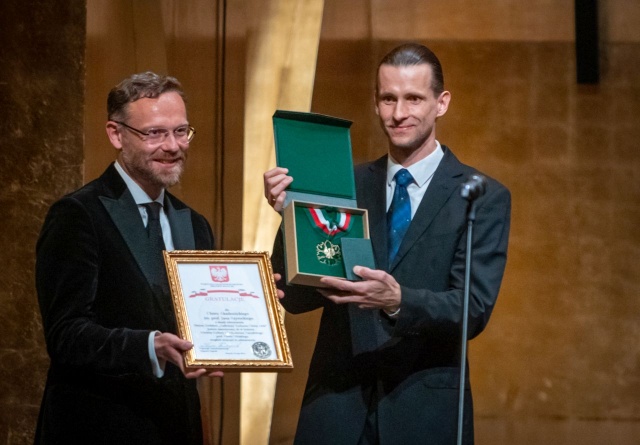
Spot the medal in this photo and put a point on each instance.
(328, 253)
(332, 224)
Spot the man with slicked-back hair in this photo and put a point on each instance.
(386, 365)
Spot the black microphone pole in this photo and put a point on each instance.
(472, 189)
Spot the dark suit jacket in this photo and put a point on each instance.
(98, 310)
(410, 365)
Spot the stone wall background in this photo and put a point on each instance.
(41, 138)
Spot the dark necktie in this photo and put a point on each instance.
(156, 245)
(399, 214)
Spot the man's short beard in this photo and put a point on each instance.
(165, 181)
(144, 171)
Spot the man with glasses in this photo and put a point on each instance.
(117, 374)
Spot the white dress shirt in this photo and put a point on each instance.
(422, 172)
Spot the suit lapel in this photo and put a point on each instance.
(124, 213)
(375, 201)
(366, 328)
(181, 227)
(445, 181)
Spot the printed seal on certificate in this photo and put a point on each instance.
(261, 349)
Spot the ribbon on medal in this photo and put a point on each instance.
(330, 220)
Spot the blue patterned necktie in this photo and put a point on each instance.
(399, 214)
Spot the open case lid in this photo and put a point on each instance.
(317, 151)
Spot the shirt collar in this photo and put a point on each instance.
(421, 171)
(139, 195)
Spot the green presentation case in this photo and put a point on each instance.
(317, 151)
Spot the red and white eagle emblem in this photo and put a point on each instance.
(219, 274)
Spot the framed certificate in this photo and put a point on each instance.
(226, 305)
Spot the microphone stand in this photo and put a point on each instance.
(471, 217)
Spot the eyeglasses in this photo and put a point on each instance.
(158, 135)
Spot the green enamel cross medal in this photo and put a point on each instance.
(333, 224)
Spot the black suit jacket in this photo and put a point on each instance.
(407, 369)
(98, 310)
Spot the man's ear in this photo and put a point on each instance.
(443, 103)
(115, 136)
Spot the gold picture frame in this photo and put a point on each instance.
(226, 304)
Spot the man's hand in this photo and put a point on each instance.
(378, 290)
(169, 348)
(275, 183)
(277, 277)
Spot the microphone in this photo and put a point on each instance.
(474, 188)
